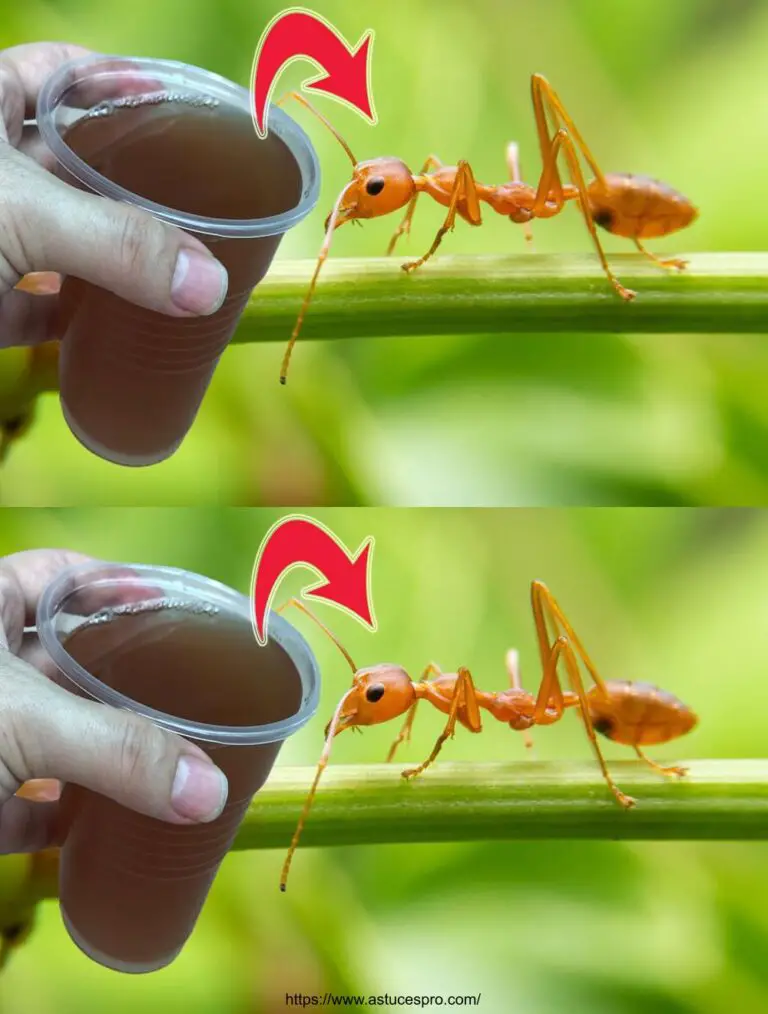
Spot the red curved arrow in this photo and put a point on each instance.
(297, 541)
(298, 34)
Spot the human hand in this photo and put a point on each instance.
(47, 732)
(48, 226)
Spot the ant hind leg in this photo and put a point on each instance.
(668, 263)
(574, 677)
(564, 140)
(675, 771)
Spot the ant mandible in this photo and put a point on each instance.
(634, 207)
(634, 714)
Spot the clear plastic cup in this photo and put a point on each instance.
(179, 142)
(178, 649)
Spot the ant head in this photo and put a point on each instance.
(379, 693)
(378, 187)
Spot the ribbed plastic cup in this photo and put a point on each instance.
(153, 133)
(131, 887)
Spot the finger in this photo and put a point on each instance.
(33, 146)
(23, 577)
(33, 653)
(48, 225)
(23, 69)
(27, 319)
(27, 826)
(48, 732)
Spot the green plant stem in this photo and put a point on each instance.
(471, 802)
(372, 297)
(371, 804)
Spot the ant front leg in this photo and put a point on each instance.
(405, 733)
(433, 162)
(668, 263)
(464, 191)
(675, 771)
(464, 697)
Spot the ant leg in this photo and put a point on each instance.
(333, 221)
(572, 666)
(433, 162)
(512, 660)
(670, 772)
(563, 140)
(298, 604)
(463, 696)
(547, 615)
(670, 263)
(464, 189)
(513, 166)
(405, 733)
(546, 101)
(550, 620)
(322, 764)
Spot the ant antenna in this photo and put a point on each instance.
(333, 728)
(308, 105)
(333, 221)
(308, 612)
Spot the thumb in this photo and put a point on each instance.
(48, 732)
(48, 225)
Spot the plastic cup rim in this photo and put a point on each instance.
(279, 122)
(283, 633)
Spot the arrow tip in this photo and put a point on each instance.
(350, 84)
(350, 590)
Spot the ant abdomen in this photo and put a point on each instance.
(638, 207)
(638, 714)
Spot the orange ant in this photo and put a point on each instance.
(635, 714)
(635, 207)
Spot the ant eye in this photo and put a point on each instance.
(374, 185)
(374, 692)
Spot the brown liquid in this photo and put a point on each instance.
(131, 379)
(131, 887)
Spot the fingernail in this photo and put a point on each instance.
(199, 282)
(199, 790)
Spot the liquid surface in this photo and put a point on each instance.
(191, 660)
(189, 153)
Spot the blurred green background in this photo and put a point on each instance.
(674, 596)
(674, 90)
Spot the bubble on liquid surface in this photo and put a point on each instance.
(191, 99)
(153, 606)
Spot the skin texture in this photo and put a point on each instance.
(48, 226)
(48, 733)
